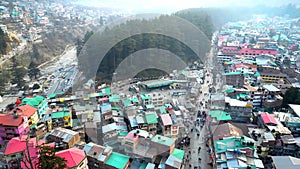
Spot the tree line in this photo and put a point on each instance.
(143, 41)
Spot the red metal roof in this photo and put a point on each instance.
(16, 145)
(74, 156)
(254, 51)
(166, 119)
(10, 120)
(26, 110)
(268, 118)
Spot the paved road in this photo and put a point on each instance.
(204, 98)
(200, 141)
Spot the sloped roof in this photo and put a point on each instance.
(10, 120)
(268, 118)
(114, 98)
(16, 145)
(283, 162)
(74, 156)
(60, 114)
(166, 119)
(63, 133)
(34, 102)
(271, 88)
(296, 108)
(151, 118)
(26, 110)
(174, 161)
(219, 115)
(226, 130)
(117, 160)
(163, 140)
(178, 153)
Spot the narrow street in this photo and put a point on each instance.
(196, 159)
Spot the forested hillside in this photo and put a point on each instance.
(147, 40)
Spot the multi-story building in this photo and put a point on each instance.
(131, 140)
(64, 138)
(97, 155)
(235, 79)
(110, 135)
(117, 160)
(175, 159)
(151, 120)
(166, 124)
(18, 147)
(234, 148)
(292, 119)
(240, 111)
(146, 99)
(61, 117)
(31, 114)
(75, 158)
(106, 112)
(157, 99)
(38, 102)
(12, 125)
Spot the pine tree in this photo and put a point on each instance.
(34, 72)
(18, 73)
(48, 159)
(3, 44)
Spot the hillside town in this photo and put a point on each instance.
(28, 21)
(238, 116)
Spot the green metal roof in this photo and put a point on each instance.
(106, 91)
(157, 83)
(34, 102)
(257, 74)
(219, 115)
(60, 114)
(163, 140)
(134, 99)
(232, 73)
(229, 90)
(114, 98)
(122, 133)
(143, 165)
(51, 96)
(162, 109)
(116, 108)
(149, 106)
(168, 105)
(232, 143)
(178, 153)
(240, 95)
(145, 97)
(151, 118)
(117, 160)
(127, 102)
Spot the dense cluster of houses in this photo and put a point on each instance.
(120, 131)
(32, 18)
(248, 128)
(261, 62)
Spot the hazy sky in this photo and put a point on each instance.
(166, 6)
